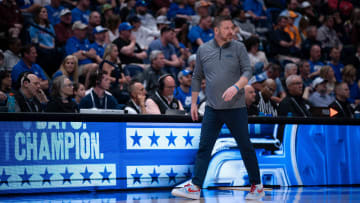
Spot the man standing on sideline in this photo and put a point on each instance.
(226, 67)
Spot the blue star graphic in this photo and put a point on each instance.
(188, 174)
(46, 177)
(86, 175)
(25, 177)
(171, 139)
(188, 139)
(105, 175)
(136, 138)
(4, 178)
(66, 176)
(136, 176)
(172, 175)
(154, 176)
(154, 139)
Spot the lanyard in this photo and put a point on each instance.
(93, 101)
(298, 106)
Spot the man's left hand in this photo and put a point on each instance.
(229, 93)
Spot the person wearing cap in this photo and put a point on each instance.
(183, 91)
(130, 51)
(292, 30)
(99, 44)
(79, 46)
(201, 33)
(292, 5)
(201, 9)
(309, 13)
(320, 97)
(54, 10)
(161, 22)
(63, 30)
(146, 18)
(81, 12)
(106, 12)
(294, 104)
(143, 35)
(164, 44)
(191, 62)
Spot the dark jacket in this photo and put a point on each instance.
(297, 106)
(343, 108)
(28, 105)
(56, 105)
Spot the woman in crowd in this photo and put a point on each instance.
(327, 73)
(79, 92)
(69, 68)
(61, 93)
(112, 24)
(349, 76)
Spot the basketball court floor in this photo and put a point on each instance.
(219, 195)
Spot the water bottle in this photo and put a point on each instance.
(11, 102)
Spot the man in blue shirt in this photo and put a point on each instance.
(183, 92)
(335, 63)
(81, 12)
(27, 64)
(314, 61)
(201, 33)
(54, 10)
(99, 44)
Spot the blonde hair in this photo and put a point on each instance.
(324, 72)
(108, 51)
(75, 74)
(349, 74)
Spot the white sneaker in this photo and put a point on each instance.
(189, 191)
(256, 192)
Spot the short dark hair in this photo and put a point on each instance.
(26, 49)
(166, 29)
(251, 41)
(219, 19)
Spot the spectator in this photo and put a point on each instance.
(161, 22)
(81, 12)
(327, 73)
(335, 63)
(27, 64)
(246, 27)
(341, 105)
(79, 93)
(257, 58)
(191, 62)
(79, 46)
(136, 104)
(99, 43)
(265, 104)
(250, 98)
(202, 9)
(320, 97)
(315, 60)
(163, 99)
(69, 68)
(130, 52)
(143, 35)
(150, 77)
(290, 69)
(63, 30)
(29, 97)
(106, 13)
(309, 13)
(349, 77)
(11, 20)
(12, 55)
(113, 24)
(54, 11)
(94, 21)
(292, 30)
(311, 33)
(304, 72)
(146, 18)
(180, 9)
(292, 5)
(172, 62)
(201, 33)
(43, 35)
(98, 97)
(127, 10)
(5, 86)
(256, 9)
(28, 7)
(183, 91)
(293, 104)
(61, 93)
(327, 35)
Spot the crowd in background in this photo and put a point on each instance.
(67, 55)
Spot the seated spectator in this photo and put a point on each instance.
(183, 91)
(63, 29)
(304, 72)
(54, 11)
(320, 97)
(136, 104)
(311, 33)
(5, 86)
(27, 64)
(150, 77)
(257, 58)
(69, 68)
(327, 73)
(201, 33)
(349, 77)
(161, 22)
(191, 62)
(43, 35)
(143, 35)
(127, 10)
(79, 46)
(327, 35)
(12, 55)
(293, 104)
(256, 9)
(94, 21)
(28, 7)
(292, 30)
(202, 9)
(11, 20)
(61, 93)
(335, 63)
(79, 93)
(172, 62)
(354, 58)
(99, 43)
(112, 25)
(146, 18)
(180, 9)
(250, 98)
(29, 97)
(246, 27)
(130, 52)
(292, 5)
(290, 69)
(163, 99)
(98, 98)
(315, 60)
(341, 105)
(81, 12)
(265, 105)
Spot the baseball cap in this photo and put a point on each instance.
(162, 20)
(140, 3)
(201, 3)
(317, 81)
(79, 25)
(99, 29)
(125, 26)
(106, 7)
(184, 72)
(305, 4)
(292, 14)
(64, 12)
(191, 58)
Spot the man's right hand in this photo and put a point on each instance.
(194, 112)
